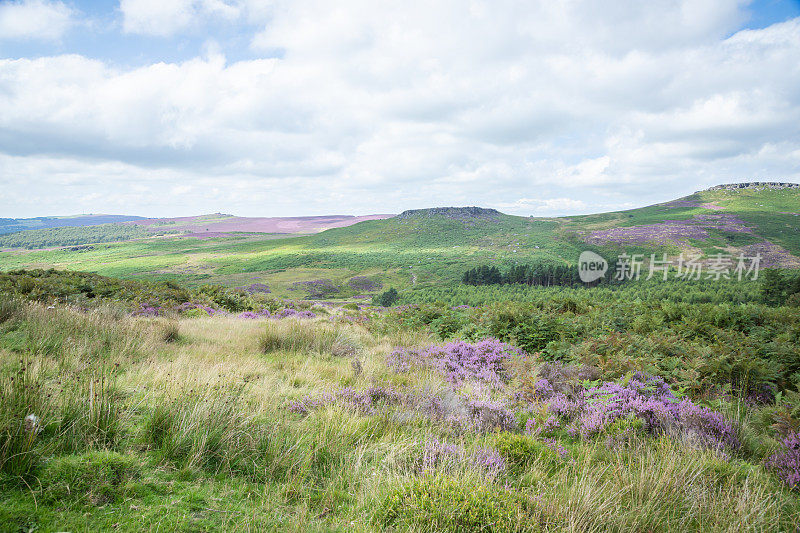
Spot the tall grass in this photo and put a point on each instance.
(293, 335)
(21, 396)
(91, 411)
(65, 379)
(112, 396)
(71, 337)
(9, 308)
(207, 429)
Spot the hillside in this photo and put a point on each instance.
(433, 246)
(12, 225)
(89, 230)
(218, 224)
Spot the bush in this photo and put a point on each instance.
(521, 451)
(234, 301)
(793, 300)
(446, 504)
(388, 298)
(197, 312)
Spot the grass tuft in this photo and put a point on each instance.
(291, 335)
(170, 331)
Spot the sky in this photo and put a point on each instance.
(310, 107)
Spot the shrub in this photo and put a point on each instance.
(197, 312)
(234, 301)
(364, 284)
(521, 451)
(387, 298)
(460, 361)
(793, 300)
(445, 504)
(318, 288)
(438, 454)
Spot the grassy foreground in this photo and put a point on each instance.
(326, 424)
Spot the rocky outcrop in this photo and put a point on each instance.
(755, 185)
(454, 213)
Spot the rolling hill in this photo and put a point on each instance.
(12, 225)
(433, 246)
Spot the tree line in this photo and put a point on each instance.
(543, 275)
(74, 235)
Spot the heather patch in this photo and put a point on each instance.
(458, 410)
(608, 408)
(255, 288)
(786, 461)
(286, 312)
(439, 455)
(459, 361)
(364, 283)
(772, 255)
(148, 311)
(671, 232)
(289, 312)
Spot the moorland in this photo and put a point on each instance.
(254, 382)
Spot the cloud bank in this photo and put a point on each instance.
(354, 107)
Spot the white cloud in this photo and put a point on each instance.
(167, 17)
(567, 106)
(34, 19)
(545, 206)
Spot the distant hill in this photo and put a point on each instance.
(218, 224)
(12, 225)
(434, 246)
(88, 229)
